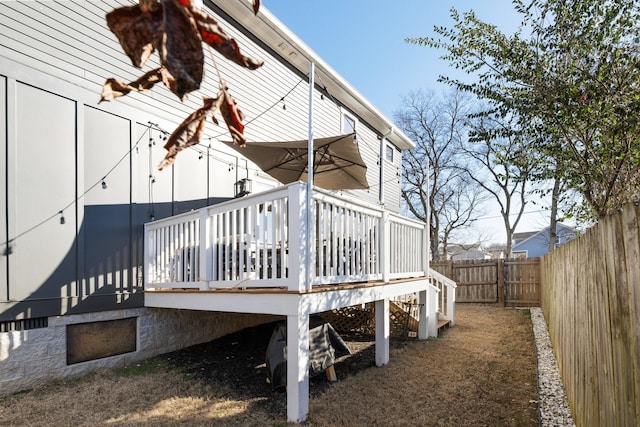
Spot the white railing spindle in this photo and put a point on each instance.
(259, 241)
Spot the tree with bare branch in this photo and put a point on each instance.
(435, 187)
(503, 167)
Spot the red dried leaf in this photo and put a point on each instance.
(149, 5)
(214, 36)
(137, 31)
(189, 132)
(233, 118)
(114, 88)
(181, 51)
(256, 6)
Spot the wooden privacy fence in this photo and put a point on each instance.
(509, 282)
(591, 302)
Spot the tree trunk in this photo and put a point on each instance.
(554, 214)
(433, 244)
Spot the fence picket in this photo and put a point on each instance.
(509, 282)
(591, 289)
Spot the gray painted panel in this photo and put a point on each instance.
(160, 190)
(107, 213)
(107, 143)
(44, 259)
(4, 285)
(190, 177)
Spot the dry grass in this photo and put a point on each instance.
(481, 372)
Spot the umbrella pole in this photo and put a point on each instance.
(310, 161)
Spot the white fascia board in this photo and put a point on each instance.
(282, 303)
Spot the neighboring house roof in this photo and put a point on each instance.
(459, 251)
(524, 235)
(536, 243)
(285, 43)
(470, 254)
(496, 251)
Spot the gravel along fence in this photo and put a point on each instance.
(554, 408)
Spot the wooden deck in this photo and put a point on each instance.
(259, 254)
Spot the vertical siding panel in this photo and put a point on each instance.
(45, 127)
(4, 285)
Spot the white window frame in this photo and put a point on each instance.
(388, 147)
(345, 115)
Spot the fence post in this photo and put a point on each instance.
(500, 275)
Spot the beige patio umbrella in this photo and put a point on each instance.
(337, 164)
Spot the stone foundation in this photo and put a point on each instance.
(30, 358)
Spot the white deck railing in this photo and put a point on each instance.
(446, 294)
(260, 241)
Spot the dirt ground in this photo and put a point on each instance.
(482, 372)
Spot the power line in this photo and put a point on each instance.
(7, 243)
(513, 214)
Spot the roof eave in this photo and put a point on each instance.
(278, 37)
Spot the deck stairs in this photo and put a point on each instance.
(403, 319)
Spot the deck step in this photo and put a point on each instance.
(443, 324)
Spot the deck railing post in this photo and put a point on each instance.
(148, 256)
(385, 246)
(205, 246)
(297, 211)
(425, 249)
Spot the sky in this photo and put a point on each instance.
(364, 42)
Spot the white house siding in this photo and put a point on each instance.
(4, 285)
(391, 180)
(60, 143)
(537, 245)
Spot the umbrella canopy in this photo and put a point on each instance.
(337, 164)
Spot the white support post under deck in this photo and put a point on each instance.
(297, 367)
(451, 305)
(382, 332)
(432, 308)
(423, 315)
(428, 316)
